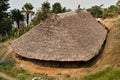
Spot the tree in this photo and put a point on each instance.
(45, 7)
(37, 18)
(96, 11)
(56, 8)
(5, 21)
(17, 16)
(45, 10)
(113, 9)
(42, 13)
(27, 9)
(65, 10)
(4, 5)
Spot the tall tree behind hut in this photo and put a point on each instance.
(45, 10)
(17, 16)
(5, 21)
(56, 8)
(42, 13)
(96, 11)
(27, 10)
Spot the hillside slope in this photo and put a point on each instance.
(111, 53)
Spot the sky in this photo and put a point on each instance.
(69, 4)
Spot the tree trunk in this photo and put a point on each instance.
(18, 25)
(27, 20)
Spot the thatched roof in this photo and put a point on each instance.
(71, 36)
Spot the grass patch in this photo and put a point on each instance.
(8, 67)
(108, 74)
(1, 78)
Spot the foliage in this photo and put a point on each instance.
(5, 21)
(108, 74)
(110, 11)
(57, 8)
(99, 12)
(1, 78)
(37, 18)
(3, 8)
(17, 16)
(42, 13)
(27, 10)
(45, 11)
(8, 67)
(96, 11)
(6, 26)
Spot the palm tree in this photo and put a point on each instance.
(27, 10)
(17, 16)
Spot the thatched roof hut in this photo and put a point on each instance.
(71, 36)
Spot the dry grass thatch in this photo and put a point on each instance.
(71, 36)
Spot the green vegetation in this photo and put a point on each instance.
(9, 67)
(108, 74)
(27, 10)
(1, 78)
(99, 12)
(17, 16)
(5, 21)
(45, 11)
(96, 11)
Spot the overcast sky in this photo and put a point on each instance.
(71, 4)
